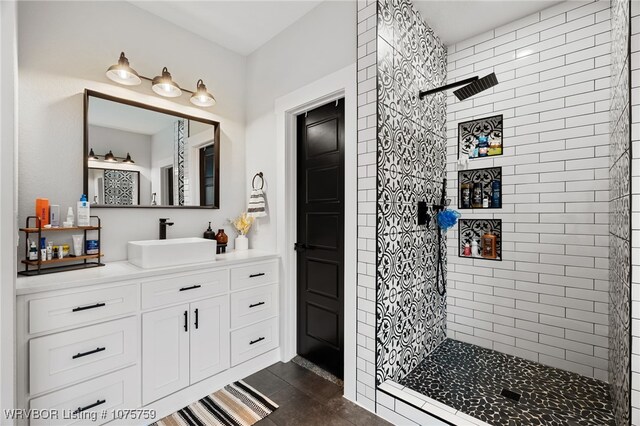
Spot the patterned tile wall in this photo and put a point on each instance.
(635, 206)
(620, 210)
(410, 168)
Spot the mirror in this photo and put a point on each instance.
(137, 155)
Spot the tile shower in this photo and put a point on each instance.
(508, 316)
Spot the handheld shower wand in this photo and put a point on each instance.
(441, 283)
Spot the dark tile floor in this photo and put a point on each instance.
(307, 399)
(471, 379)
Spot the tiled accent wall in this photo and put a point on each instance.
(411, 166)
(366, 263)
(547, 301)
(620, 211)
(635, 213)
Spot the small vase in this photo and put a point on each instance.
(242, 242)
(221, 237)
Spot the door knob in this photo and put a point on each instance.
(299, 246)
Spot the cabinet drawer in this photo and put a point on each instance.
(55, 312)
(253, 305)
(119, 390)
(184, 288)
(253, 275)
(253, 340)
(64, 358)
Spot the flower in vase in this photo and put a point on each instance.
(242, 223)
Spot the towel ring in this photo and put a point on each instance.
(253, 182)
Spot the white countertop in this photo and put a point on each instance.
(123, 270)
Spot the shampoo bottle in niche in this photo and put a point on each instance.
(83, 212)
(475, 249)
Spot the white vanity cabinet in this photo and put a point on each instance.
(139, 338)
(182, 345)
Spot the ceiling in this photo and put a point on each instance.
(244, 25)
(239, 25)
(457, 20)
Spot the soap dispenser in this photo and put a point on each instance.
(209, 234)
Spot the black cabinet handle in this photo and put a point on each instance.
(81, 354)
(190, 288)
(186, 325)
(299, 246)
(90, 406)
(196, 312)
(84, 308)
(256, 341)
(256, 275)
(253, 305)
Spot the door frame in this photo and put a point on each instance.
(340, 84)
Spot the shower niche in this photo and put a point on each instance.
(480, 138)
(480, 188)
(487, 234)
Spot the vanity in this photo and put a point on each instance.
(93, 342)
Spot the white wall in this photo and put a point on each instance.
(547, 300)
(8, 226)
(65, 47)
(321, 42)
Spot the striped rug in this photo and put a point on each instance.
(238, 404)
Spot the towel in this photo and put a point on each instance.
(256, 204)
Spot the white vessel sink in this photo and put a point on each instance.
(174, 252)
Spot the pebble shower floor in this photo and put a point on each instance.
(485, 384)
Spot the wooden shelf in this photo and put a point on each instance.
(73, 228)
(63, 260)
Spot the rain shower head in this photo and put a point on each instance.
(472, 86)
(476, 87)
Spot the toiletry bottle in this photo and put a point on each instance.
(465, 195)
(467, 250)
(42, 211)
(83, 212)
(483, 146)
(33, 251)
(485, 202)
(475, 149)
(495, 194)
(475, 252)
(70, 218)
(209, 234)
(477, 195)
(43, 248)
(489, 243)
(54, 215)
(49, 250)
(153, 199)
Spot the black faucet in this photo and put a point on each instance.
(163, 228)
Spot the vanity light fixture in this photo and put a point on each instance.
(110, 157)
(122, 73)
(163, 85)
(201, 97)
(92, 155)
(128, 159)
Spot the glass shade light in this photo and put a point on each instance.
(122, 73)
(163, 85)
(201, 97)
(92, 155)
(128, 159)
(110, 157)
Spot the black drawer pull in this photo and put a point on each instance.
(186, 324)
(190, 288)
(196, 312)
(84, 308)
(253, 305)
(256, 275)
(90, 406)
(95, 351)
(256, 341)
